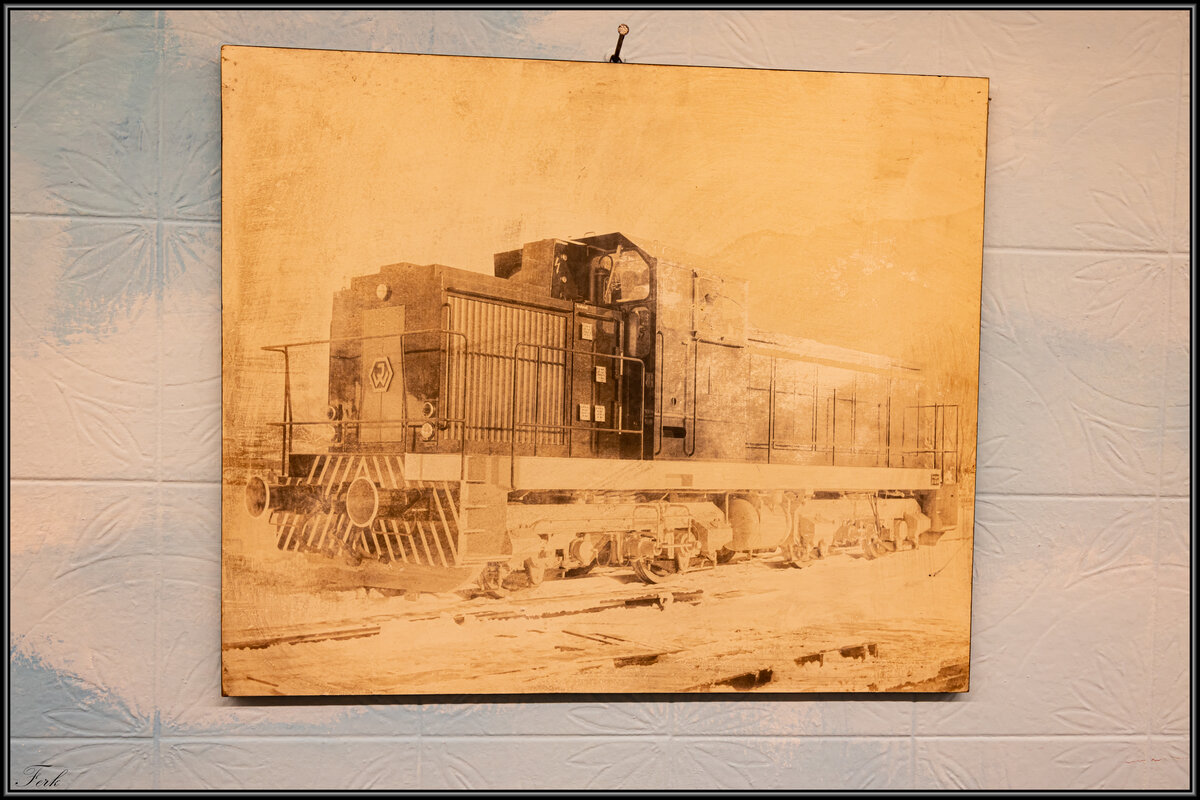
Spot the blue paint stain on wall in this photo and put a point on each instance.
(85, 126)
(84, 94)
(49, 702)
(107, 278)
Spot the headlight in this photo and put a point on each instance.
(428, 409)
(383, 291)
(427, 431)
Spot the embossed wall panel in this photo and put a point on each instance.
(1084, 410)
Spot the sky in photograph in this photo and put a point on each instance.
(852, 203)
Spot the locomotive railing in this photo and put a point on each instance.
(839, 438)
(569, 428)
(827, 439)
(938, 447)
(834, 429)
(438, 420)
(930, 434)
(488, 368)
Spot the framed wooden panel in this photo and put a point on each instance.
(559, 377)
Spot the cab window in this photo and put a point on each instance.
(630, 277)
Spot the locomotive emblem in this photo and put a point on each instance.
(382, 374)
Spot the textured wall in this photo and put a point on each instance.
(1080, 676)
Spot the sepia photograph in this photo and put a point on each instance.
(553, 377)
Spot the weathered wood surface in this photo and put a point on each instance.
(842, 624)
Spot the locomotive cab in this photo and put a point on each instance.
(611, 280)
(607, 271)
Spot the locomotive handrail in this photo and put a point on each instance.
(833, 446)
(563, 427)
(892, 370)
(658, 384)
(569, 428)
(279, 348)
(771, 412)
(826, 449)
(939, 451)
(695, 387)
(390, 421)
(289, 423)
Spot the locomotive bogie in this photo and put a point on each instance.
(615, 534)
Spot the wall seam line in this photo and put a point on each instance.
(1076, 251)
(160, 264)
(912, 733)
(112, 219)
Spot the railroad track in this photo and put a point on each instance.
(531, 608)
(516, 606)
(300, 635)
(598, 631)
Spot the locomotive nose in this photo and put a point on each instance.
(257, 496)
(362, 502)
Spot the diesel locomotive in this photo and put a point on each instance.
(593, 404)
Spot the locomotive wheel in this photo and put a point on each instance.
(534, 572)
(869, 550)
(796, 553)
(687, 547)
(654, 571)
(576, 572)
(797, 549)
(604, 556)
(351, 555)
(491, 580)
